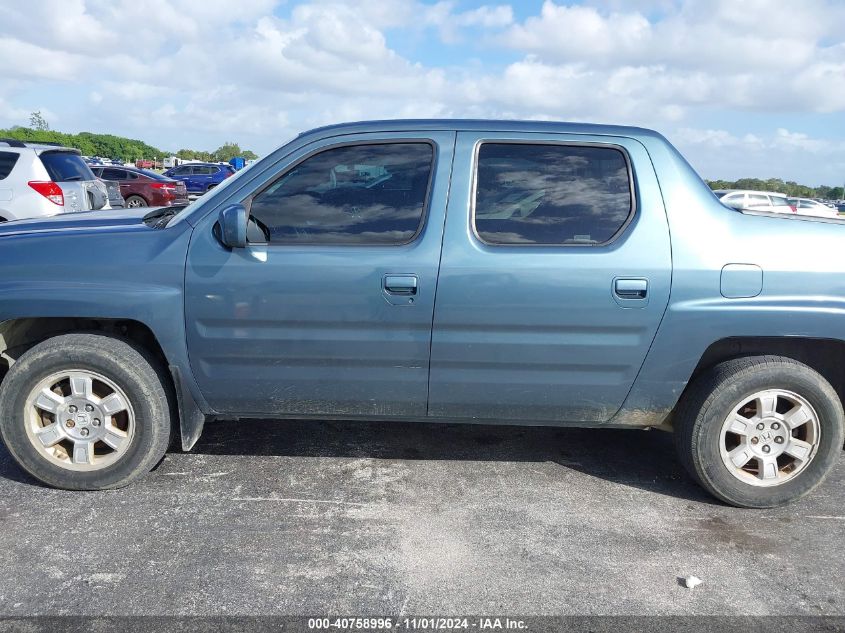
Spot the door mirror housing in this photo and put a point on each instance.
(232, 221)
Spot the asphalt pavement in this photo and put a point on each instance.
(312, 518)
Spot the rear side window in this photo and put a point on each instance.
(66, 166)
(356, 194)
(551, 194)
(7, 163)
(758, 200)
(113, 174)
(155, 175)
(779, 201)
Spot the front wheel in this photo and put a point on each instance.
(85, 412)
(760, 432)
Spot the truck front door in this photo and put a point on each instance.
(328, 310)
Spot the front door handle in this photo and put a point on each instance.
(631, 288)
(401, 284)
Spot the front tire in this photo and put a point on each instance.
(760, 432)
(85, 412)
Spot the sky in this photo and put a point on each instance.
(742, 87)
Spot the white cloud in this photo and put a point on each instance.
(579, 33)
(486, 16)
(196, 78)
(717, 153)
(755, 54)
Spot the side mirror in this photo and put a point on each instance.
(233, 222)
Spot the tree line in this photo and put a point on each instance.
(790, 188)
(111, 146)
(127, 149)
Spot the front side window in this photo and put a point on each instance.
(355, 194)
(551, 194)
(758, 200)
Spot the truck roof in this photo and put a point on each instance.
(399, 125)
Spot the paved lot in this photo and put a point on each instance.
(310, 518)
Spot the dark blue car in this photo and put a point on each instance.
(200, 177)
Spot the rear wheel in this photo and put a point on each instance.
(85, 412)
(760, 432)
(134, 202)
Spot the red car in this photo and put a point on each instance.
(144, 188)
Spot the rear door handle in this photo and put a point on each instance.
(631, 288)
(401, 284)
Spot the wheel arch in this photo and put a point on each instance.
(657, 395)
(19, 335)
(826, 356)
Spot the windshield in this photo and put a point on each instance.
(66, 166)
(214, 192)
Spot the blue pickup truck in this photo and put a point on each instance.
(494, 272)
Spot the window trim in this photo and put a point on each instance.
(435, 156)
(632, 213)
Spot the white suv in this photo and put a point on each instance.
(806, 206)
(755, 200)
(37, 180)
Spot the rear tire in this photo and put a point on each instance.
(85, 412)
(760, 432)
(135, 202)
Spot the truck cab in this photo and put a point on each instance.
(444, 271)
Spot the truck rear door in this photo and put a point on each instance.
(555, 275)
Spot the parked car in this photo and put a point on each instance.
(583, 275)
(116, 200)
(144, 188)
(38, 179)
(200, 177)
(756, 200)
(806, 206)
(144, 164)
